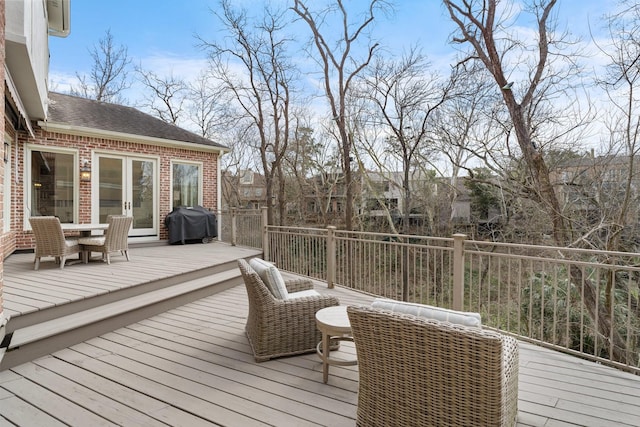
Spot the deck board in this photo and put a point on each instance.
(193, 366)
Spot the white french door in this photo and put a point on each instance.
(127, 185)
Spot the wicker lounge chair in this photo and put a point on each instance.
(423, 372)
(115, 239)
(50, 240)
(281, 327)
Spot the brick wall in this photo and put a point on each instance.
(86, 146)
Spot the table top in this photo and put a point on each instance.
(84, 227)
(334, 319)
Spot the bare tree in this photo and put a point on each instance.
(109, 73)
(406, 99)
(467, 132)
(208, 106)
(166, 95)
(255, 71)
(621, 84)
(479, 22)
(483, 25)
(340, 67)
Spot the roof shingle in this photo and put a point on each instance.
(89, 113)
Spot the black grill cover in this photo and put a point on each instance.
(190, 224)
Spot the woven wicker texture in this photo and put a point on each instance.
(50, 240)
(278, 328)
(116, 238)
(421, 372)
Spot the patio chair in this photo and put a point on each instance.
(282, 327)
(115, 238)
(416, 371)
(50, 240)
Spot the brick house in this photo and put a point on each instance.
(90, 159)
(81, 159)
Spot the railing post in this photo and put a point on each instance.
(265, 236)
(234, 212)
(331, 256)
(458, 271)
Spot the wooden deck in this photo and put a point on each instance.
(192, 366)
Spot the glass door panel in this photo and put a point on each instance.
(110, 187)
(142, 194)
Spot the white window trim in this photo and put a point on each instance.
(6, 191)
(27, 179)
(200, 166)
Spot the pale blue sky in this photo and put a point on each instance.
(159, 34)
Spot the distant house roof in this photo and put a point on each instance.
(91, 114)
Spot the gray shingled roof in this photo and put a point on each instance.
(89, 113)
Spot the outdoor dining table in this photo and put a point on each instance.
(85, 230)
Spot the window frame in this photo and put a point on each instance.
(6, 190)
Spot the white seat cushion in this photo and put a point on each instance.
(302, 294)
(464, 318)
(271, 277)
(94, 241)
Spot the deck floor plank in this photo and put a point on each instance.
(283, 394)
(85, 397)
(163, 392)
(128, 397)
(16, 412)
(60, 407)
(244, 368)
(49, 289)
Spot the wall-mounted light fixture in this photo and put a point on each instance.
(7, 147)
(85, 171)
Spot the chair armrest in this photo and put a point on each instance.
(510, 356)
(297, 285)
(292, 311)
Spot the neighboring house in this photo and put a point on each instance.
(247, 190)
(82, 160)
(383, 192)
(588, 181)
(325, 198)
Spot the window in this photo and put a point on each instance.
(187, 186)
(246, 177)
(51, 178)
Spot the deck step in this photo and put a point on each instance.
(37, 340)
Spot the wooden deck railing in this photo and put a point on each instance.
(584, 302)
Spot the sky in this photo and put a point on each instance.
(161, 34)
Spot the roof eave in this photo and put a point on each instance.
(128, 137)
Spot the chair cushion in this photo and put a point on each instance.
(464, 318)
(303, 294)
(71, 242)
(271, 277)
(93, 241)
